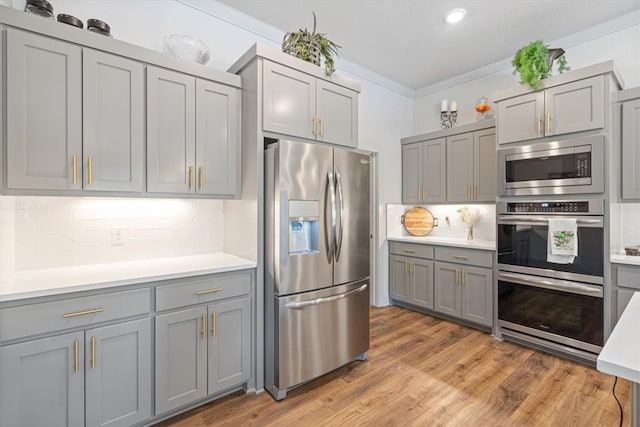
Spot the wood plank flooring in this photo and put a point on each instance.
(424, 371)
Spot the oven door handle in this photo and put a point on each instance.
(543, 220)
(553, 284)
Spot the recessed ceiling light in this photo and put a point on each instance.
(455, 16)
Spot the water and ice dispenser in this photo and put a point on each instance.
(304, 222)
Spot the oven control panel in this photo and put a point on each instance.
(553, 207)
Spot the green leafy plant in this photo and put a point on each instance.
(534, 62)
(310, 46)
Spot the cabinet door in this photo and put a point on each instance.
(434, 187)
(421, 282)
(337, 114)
(170, 131)
(44, 112)
(113, 122)
(447, 289)
(631, 149)
(521, 118)
(181, 358)
(485, 166)
(289, 101)
(217, 138)
(398, 281)
(229, 344)
(412, 173)
(477, 295)
(43, 382)
(460, 167)
(118, 374)
(575, 107)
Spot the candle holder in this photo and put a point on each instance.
(448, 119)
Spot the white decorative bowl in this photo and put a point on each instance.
(186, 47)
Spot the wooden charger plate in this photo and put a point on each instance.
(418, 221)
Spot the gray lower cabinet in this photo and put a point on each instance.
(412, 280)
(113, 122)
(200, 351)
(471, 167)
(192, 135)
(571, 107)
(631, 149)
(627, 281)
(96, 377)
(299, 104)
(44, 115)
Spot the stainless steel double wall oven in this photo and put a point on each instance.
(558, 306)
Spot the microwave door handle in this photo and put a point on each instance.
(341, 207)
(556, 285)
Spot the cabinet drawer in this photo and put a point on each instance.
(629, 277)
(206, 289)
(412, 249)
(16, 322)
(465, 256)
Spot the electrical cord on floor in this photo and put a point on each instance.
(616, 397)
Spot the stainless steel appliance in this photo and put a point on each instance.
(558, 306)
(316, 261)
(573, 166)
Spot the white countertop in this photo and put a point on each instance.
(36, 283)
(487, 245)
(625, 259)
(621, 353)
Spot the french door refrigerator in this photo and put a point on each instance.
(316, 261)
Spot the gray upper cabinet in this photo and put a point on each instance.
(217, 138)
(471, 167)
(631, 149)
(572, 107)
(298, 104)
(43, 382)
(171, 136)
(118, 374)
(423, 171)
(113, 122)
(192, 135)
(44, 112)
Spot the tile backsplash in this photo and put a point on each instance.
(484, 229)
(47, 232)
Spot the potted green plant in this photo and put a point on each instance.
(310, 46)
(534, 62)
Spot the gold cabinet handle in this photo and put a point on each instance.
(93, 352)
(208, 291)
(424, 194)
(321, 126)
(90, 171)
(409, 251)
(213, 324)
(548, 122)
(475, 192)
(539, 125)
(406, 267)
(190, 177)
(457, 280)
(204, 326)
(313, 126)
(463, 274)
(82, 313)
(75, 356)
(460, 257)
(74, 172)
(200, 177)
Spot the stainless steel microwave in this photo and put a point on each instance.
(574, 166)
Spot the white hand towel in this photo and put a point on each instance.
(563, 240)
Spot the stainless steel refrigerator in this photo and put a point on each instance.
(317, 236)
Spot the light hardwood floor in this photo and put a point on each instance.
(424, 371)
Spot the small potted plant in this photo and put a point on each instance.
(534, 62)
(310, 46)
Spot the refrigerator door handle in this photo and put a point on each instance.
(307, 303)
(332, 233)
(341, 205)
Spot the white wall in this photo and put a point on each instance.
(618, 39)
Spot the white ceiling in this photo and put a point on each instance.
(408, 42)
